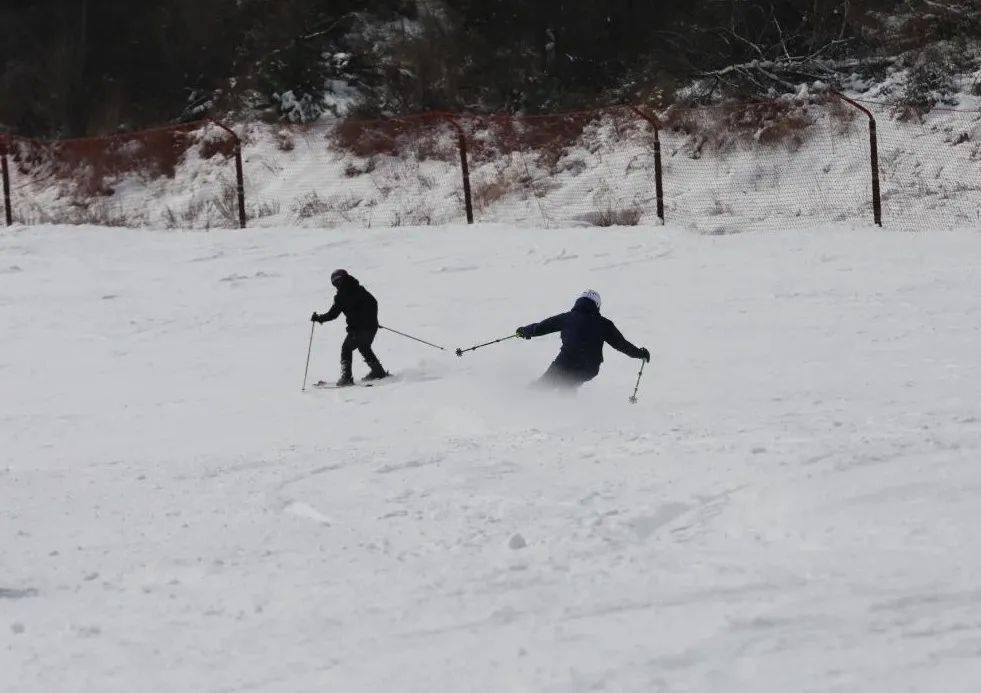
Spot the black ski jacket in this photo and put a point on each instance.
(356, 302)
(584, 331)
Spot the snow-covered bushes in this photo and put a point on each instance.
(721, 127)
(929, 81)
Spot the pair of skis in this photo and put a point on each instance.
(329, 386)
(324, 385)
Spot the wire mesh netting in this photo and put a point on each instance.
(177, 177)
(788, 163)
(929, 173)
(770, 165)
(393, 172)
(590, 168)
(593, 168)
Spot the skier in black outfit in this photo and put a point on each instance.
(361, 310)
(584, 331)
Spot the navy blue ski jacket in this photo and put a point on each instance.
(584, 331)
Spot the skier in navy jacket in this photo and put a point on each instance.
(361, 310)
(584, 331)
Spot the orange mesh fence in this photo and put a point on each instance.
(177, 177)
(783, 164)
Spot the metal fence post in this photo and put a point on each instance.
(240, 182)
(873, 157)
(8, 212)
(239, 176)
(464, 167)
(658, 172)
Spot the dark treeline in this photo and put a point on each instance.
(80, 67)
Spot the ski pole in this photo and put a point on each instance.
(633, 397)
(309, 349)
(409, 336)
(461, 352)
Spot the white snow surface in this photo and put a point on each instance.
(791, 506)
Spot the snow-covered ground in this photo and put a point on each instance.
(793, 505)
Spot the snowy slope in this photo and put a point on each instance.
(792, 505)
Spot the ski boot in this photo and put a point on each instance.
(377, 372)
(346, 378)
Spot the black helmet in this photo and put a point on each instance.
(337, 275)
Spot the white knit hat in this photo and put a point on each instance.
(592, 296)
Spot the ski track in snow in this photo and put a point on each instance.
(791, 506)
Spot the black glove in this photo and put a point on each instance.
(523, 333)
(315, 318)
(645, 354)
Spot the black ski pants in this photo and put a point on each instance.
(360, 340)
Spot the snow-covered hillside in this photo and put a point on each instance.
(791, 506)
